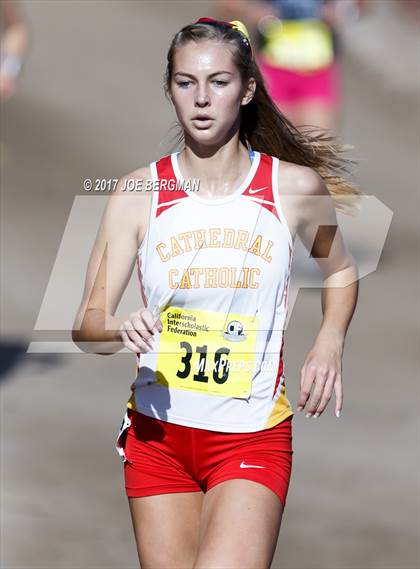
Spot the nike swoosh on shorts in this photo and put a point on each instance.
(243, 465)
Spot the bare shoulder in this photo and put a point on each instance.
(129, 205)
(133, 180)
(297, 183)
(298, 180)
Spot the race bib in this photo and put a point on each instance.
(300, 45)
(208, 352)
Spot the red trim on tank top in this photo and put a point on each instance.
(280, 368)
(288, 277)
(281, 363)
(262, 179)
(165, 171)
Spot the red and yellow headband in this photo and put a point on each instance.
(234, 24)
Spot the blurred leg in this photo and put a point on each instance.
(317, 113)
(317, 100)
(292, 112)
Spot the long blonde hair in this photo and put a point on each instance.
(265, 129)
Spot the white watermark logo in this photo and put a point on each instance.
(364, 235)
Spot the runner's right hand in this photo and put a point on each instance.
(138, 329)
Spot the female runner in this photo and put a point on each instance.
(207, 437)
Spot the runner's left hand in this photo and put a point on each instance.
(321, 370)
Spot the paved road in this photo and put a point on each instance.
(90, 105)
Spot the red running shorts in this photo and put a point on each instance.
(163, 457)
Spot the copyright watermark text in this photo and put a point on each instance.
(107, 185)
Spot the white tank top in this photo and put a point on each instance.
(218, 271)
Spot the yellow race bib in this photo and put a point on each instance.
(300, 45)
(205, 351)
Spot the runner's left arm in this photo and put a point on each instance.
(318, 230)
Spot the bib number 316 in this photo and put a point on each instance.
(207, 352)
(220, 364)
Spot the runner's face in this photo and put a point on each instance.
(207, 91)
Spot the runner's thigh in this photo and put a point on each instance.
(166, 528)
(240, 524)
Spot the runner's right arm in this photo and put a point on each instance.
(96, 328)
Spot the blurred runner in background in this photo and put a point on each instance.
(13, 46)
(297, 53)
